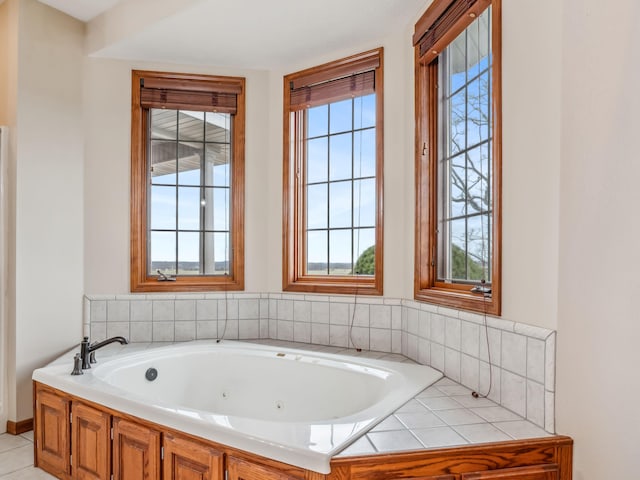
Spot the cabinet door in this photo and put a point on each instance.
(136, 451)
(242, 470)
(538, 472)
(52, 433)
(90, 443)
(186, 459)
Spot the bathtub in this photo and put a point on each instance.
(298, 407)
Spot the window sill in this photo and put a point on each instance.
(460, 299)
(185, 284)
(334, 285)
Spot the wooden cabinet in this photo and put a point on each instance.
(90, 442)
(539, 472)
(186, 459)
(136, 451)
(52, 434)
(239, 469)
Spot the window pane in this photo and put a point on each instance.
(189, 208)
(340, 156)
(317, 160)
(190, 125)
(364, 111)
(478, 246)
(163, 162)
(218, 165)
(484, 104)
(218, 127)
(189, 163)
(458, 187)
(457, 244)
(364, 153)
(340, 252)
(476, 114)
(163, 208)
(457, 123)
(164, 124)
(218, 211)
(364, 203)
(484, 41)
(340, 210)
(364, 240)
(163, 252)
(317, 206)
(340, 116)
(188, 253)
(216, 253)
(478, 45)
(456, 63)
(478, 175)
(317, 121)
(317, 253)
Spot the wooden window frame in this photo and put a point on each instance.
(426, 285)
(140, 280)
(294, 279)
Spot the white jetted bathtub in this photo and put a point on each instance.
(295, 406)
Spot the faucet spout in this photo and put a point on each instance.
(86, 348)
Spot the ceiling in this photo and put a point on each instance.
(257, 34)
(81, 9)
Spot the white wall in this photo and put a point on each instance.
(49, 195)
(531, 160)
(599, 323)
(8, 98)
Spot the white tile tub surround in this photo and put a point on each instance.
(179, 317)
(521, 358)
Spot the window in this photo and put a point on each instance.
(458, 157)
(333, 177)
(187, 182)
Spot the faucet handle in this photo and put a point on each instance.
(77, 365)
(92, 357)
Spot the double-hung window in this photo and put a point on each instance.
(187, 182)
(333, 177)
(458, 154)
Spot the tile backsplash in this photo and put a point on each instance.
(512, 363)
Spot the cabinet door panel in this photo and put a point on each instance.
(186, 459)
(538, 472)
(136, 451)
(242, 470)
(52, 434)
(90, 443)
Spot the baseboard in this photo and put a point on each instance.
(16, 428)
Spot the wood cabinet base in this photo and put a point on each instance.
(109, 443)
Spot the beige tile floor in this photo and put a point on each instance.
(16, 458)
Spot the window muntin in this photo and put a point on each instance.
(333, 177)
(187, 182)
(458, 163)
